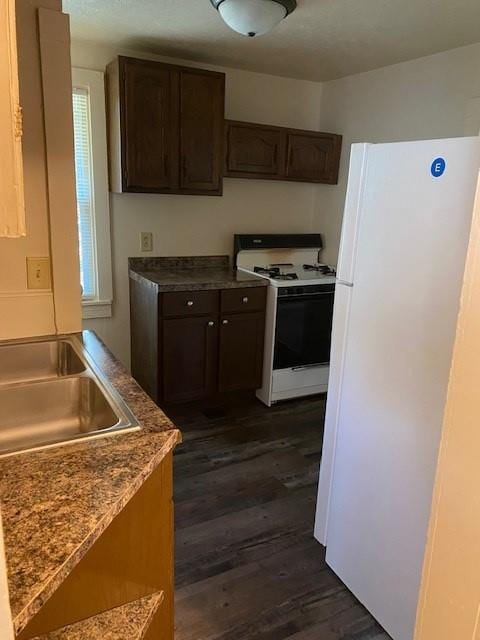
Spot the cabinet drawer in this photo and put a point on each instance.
(248, 299)
(190, 303)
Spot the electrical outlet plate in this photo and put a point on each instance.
(146, 241)
(38, 273)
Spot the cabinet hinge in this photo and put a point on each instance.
(18, 125)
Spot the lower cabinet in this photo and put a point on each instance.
(194, 344)
(241, 351)
(189, 366)
(210, 342)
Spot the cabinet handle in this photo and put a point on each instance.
(224, 321)
(211, 323)
(189, 303)
(245, 300)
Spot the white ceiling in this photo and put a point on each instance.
(321, 40)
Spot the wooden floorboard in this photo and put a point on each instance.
(247, 565)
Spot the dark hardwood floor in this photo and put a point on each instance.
(247, 565)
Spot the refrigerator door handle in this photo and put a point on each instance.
(354, 201)
(344, 283)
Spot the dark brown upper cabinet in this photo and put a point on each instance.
(313, 157)
(254, 150)
(166, 128)
(202, 97)
(148, 137)
(276, 153)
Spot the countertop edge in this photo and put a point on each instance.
(28, 613)
(142, 619)
(215, 283)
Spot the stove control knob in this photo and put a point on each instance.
(211, 323)
(245, 300)
(224, 321)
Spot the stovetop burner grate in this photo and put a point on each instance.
(267, 271)
(285, 276)
(324, 269)
(276, 273)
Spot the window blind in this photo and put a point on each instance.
(84, 188)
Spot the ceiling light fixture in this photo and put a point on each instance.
(253, 17)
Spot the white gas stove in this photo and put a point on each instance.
(299, 312)
(288, 274)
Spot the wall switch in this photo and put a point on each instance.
(38, 273)
(146, 241)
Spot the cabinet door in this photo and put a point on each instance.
(148, 117)
(241, 351)
(201, 131)
(313, 157)
(189, 358)
(254, 151)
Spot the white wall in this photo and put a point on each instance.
(432, 97)
(202, 225)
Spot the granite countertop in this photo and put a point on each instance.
(56, 502)
(128, 621)
(191, 273)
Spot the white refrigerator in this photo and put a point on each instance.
(405, 231)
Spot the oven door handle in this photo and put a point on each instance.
(309, 366)
(305, 295)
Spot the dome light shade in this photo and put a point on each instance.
(253, 17)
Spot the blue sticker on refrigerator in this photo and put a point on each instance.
(437, 168)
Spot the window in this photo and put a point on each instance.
(93, 214)
(84, 181)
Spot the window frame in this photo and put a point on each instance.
(94, 83)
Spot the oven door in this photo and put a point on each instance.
(304, 326)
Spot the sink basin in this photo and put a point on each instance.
(52, 393)
(25, 361)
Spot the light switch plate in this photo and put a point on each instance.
(146, 241)
(38, 273)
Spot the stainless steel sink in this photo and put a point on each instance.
(52, 393)
(22, 362)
